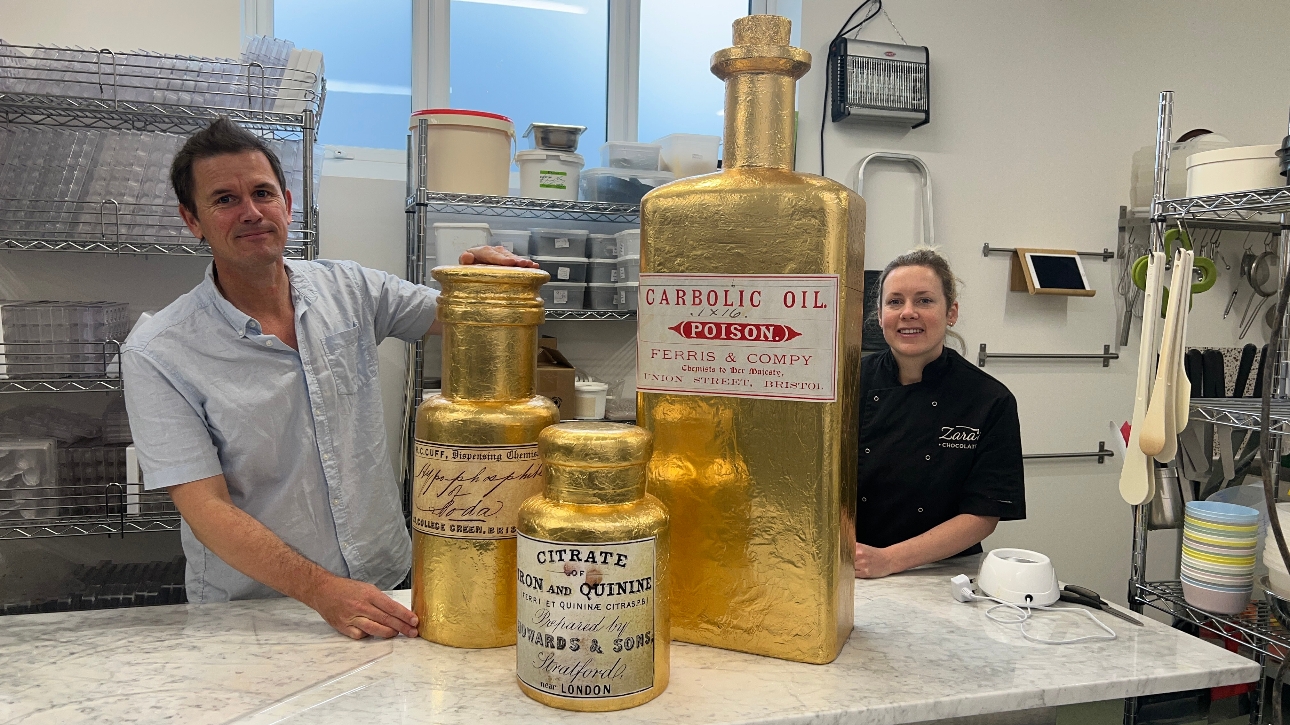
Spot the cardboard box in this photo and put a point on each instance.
(555, 377)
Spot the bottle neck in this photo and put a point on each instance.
(759, 121)
(602, 486)
(489, 362)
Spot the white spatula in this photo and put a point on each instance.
(1163, 407)
(1183, 387)
(1178, 331)
(1136, 474)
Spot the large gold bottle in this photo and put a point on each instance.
(748, 366)
(593, 613)
(476, 455)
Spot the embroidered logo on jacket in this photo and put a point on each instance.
(959, 436)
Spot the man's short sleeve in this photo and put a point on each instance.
(170, 435)
(402, 310)
(996, 486)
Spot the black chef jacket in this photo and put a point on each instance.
(947, 445)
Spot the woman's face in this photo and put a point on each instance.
(914, 314)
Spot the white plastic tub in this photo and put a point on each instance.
(601, 296)
(563, 269)
(602, 271)
(629, 269)
(688, 154)
(548, 174)
(467, 152)
(563, 295)
(589, 400)
(602, 246)
(630, 155)
(558, 243)
(629, 242)
(1236, 169)
(627, 295)
(515, 240)
(452, 238)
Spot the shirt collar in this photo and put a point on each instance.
(933, 372)
(303, 294)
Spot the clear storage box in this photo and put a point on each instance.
(563, 295)
(621, 186)
(602, 271)
(558, 243)
(627, 295)
(563, 269)
(29, 478)
(630, 155)
(515, 240)
(629, 269)
(629, 242)
(602, 246)
(601, 296)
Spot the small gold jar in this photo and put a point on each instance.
(476, 455)
(593, 620)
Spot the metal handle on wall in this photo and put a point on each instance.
(924, 174)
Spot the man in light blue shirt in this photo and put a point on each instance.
(253, 399)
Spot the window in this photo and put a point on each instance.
(678, 94)
(367, 56)
(533, 60)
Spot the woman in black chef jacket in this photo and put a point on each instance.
(940, 445)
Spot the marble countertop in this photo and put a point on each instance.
(915, 655)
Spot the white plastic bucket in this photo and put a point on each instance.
(549, 174)
(467, 152)
(1236, 169)
(589, 400)
(689, 154)
(451, 239)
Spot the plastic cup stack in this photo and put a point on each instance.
(1218, 556)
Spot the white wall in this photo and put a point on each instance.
(209, 28)
(1036, 110)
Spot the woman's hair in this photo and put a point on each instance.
(931, 259)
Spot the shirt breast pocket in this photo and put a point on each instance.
(351, 357)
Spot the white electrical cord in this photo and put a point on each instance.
(962, 591)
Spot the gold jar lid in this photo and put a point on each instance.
(590, 462)
(761, 45)
(490, 295)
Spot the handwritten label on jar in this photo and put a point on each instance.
(585, 617)
(746, 336)
(548, 179)
(473, 492)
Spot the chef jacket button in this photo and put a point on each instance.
(875, 397)
(920, 511)
(864, 499)
(928, 456)
(866, 450)
(933, 403)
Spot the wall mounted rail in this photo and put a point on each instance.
(1106, 356)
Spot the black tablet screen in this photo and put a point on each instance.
(1056, 271)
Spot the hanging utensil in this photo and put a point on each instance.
(1136, 473)
(1230, 301)
(1159, 430)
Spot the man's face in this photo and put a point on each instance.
(242, 213)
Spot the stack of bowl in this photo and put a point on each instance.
(1278, 574)
(1218, 555)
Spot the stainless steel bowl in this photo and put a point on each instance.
(554, 136)
(1280, 607)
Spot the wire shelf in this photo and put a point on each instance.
(114, 508)
(1243, 413)
(590, 315)
(1140, 219)
(75, 87)
(1254, 628)
(524, 208)
(1237, 206)
(113, 228)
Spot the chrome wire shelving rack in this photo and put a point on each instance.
(1254, 631)
(112, 509)
(515, 207)
(60, 367)
(74, 88)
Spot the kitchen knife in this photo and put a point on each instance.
(1215, 379)
(1136, 474)
(1258, 375)
(1243, 370)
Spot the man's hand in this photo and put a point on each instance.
(357, 609)
(494, 255)
(872, 562)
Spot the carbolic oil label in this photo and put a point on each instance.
(585, 617)
(769, 336)
(473, 492)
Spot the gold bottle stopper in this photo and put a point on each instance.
(593, 610)
(476, 457)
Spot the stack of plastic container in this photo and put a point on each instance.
(629, 172)
(562, 253)
(42, 339)
(29, 478)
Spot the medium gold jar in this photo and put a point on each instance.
(477, 456)
(593, 612)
